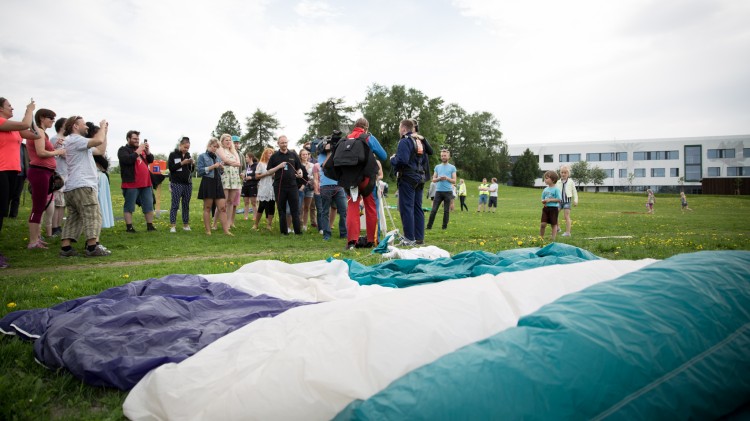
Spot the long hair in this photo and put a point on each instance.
(266, 155)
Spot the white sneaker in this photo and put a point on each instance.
(186, 229)
(304, 228)
(565, 234)
(173, 229)
(320, 232)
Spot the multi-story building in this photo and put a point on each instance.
(659, 164)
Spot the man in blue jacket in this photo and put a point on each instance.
(410, 163)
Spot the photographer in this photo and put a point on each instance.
(330, 191)
(181, 167)
(134, 158)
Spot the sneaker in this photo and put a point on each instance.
(70, 253)
(320, 232)
(173, 229)
(130, 230)
(351, 245)
(407, 243)
(151, 228)
(565, 234)
(56, 232)
(419, 242)
(186, 229)
(326, 238)
(98, 251)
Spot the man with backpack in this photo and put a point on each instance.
(358, 180)
(410, 162)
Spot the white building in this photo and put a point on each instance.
(659, 164)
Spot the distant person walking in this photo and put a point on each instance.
(462, 195)
(683, 201)
(569, 196)
(650, 200)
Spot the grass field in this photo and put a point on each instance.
(613, 226)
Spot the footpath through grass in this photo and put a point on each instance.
(613, 226)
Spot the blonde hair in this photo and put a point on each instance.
(213, 141)
(266, 155)
(565, 167)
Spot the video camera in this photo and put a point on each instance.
(327, 143)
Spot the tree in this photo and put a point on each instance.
(328, 116)
(261, 127)
(631, 180)
(580, 173)
(526, 169)
(227, 124)
(597, 176)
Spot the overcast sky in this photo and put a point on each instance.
(549, 70)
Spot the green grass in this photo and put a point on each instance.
(39, 278)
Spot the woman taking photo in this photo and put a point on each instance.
(11, 133)
(230, 178)
(250, 184)
(211, 190)
(42, 166)
(181, 167)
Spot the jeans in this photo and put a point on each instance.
(329, 194)
(443, 197)
(410, 209)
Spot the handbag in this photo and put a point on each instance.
(56, 182)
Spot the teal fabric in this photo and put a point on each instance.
(403, 273)
(670, 341)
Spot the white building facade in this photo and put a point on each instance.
(659, 164)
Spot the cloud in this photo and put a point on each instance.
(315, 9)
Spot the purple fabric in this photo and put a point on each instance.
(116, 337)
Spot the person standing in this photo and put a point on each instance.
(211, 191)
(134, 158)
(266, 199)
(42, 166)
(181, 166)
(683, 202)
(650, 201)
(285, 184)
(11, 133)
(444, 177)
(330, 193)
(462, 195)
(569, 196)
(410, 161)
(250, 184)
(493, 195)
(365, 189)
(84, 215)
(62, 169)
(230, 177)
(550, 201)
(484, 195)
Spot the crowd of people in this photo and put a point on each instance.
(306, 189)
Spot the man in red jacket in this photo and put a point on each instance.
(136, 179)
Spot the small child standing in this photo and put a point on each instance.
(650, 201)
(683, 200)
(551, 198)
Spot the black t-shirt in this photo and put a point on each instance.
(285, 177)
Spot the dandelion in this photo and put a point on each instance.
(11, 305)
(55, 288)
(481, 243)
(126, 276)
(231, 263)
(520, 243)
(337, 255)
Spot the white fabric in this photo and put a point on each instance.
(310, 362)
(425, 252)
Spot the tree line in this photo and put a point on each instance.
(475, 141)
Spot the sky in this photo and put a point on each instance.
(549, 71)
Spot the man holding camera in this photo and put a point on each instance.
(444, 177)
(81, 185)
(136, 179)
(330, 191)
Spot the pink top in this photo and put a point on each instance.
(10, 149)
(35, 160)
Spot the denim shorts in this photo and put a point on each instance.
(565, 205)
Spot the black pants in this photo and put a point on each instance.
(288, 195)
(15, 196)
(443, 197)
(463, 203)
(8, 181)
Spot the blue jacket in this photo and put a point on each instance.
(205, 161)
(407, 162)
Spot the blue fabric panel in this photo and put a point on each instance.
(670, 341)
(116, 337)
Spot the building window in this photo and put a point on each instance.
(622, 156)
(714, 171)
(674, 172)
(746, 153)
(639, 156)
(623, 173)
(738, 171)
(596, 157)
(673, 154)
(657, 172)
(640, 172)
(548, 158)
(720, 153)
(610, 173)
(655, 155)
(693, 163)
(572, 157)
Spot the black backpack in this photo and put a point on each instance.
(351, 152)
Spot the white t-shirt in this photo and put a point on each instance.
(81, 166)
(493, 190)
